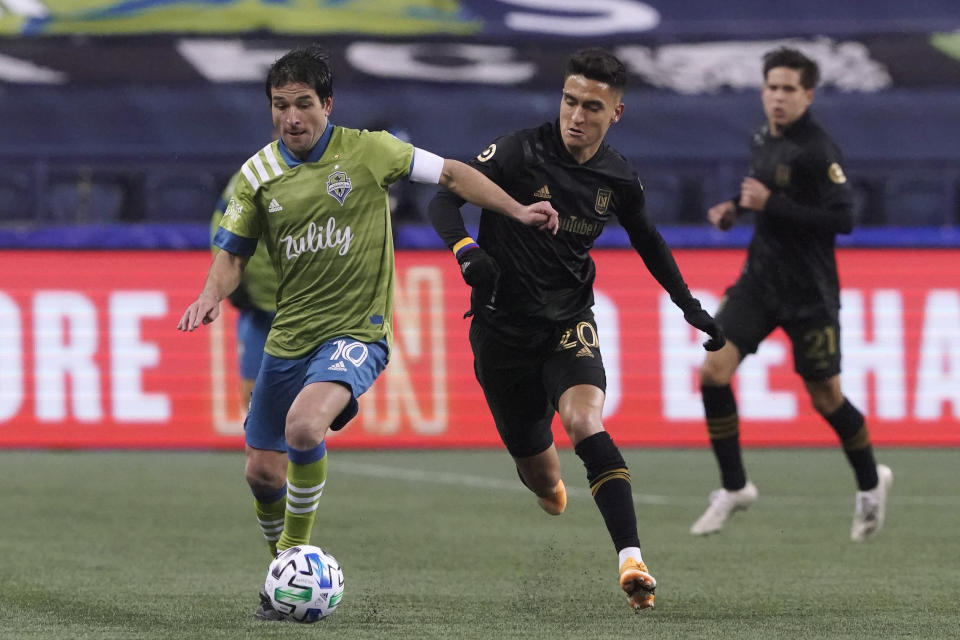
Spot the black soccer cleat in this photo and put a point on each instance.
(265, 611)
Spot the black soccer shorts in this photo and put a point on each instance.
(523, 385)
(814, 334)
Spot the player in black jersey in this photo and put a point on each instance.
(534, 339)
(798, 190)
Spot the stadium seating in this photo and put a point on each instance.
(181, 196)
(159, 149)
(17, 196)
(81, 196)
(921, 198)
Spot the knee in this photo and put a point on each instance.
(826, 403)
(825, 396)
(265, 471)
(301, 432)
(580, 422)
(714, 373)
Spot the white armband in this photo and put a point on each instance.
(427, 167)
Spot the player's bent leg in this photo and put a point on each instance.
(541, 474)
(312, 412)
(265, 470)
(850, 427)
(266, 474)
(581, 407)
(873, 480)
(306, 477)
(723, 428)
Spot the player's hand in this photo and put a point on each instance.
(722, 215)
(204, 310)
(754, 194)
(705, 322)
(540, 215)
(481, 272)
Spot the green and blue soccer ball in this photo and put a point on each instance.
(305, 584)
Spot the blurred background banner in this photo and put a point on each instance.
(92, 360)
(492, 18)
(120, 113)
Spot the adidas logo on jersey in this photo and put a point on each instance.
(585, 353)
(337, 366)
(274, 206)
(542, 192)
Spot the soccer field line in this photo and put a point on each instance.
(501, 484)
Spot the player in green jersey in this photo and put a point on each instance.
(317, 198)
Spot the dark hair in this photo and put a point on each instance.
(793, 59)
(599, 65)
(309, 65)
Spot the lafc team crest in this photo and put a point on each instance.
(781, 175)
(603, 201)
(339, 185)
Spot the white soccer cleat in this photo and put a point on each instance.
(870, 507)
(722, 504)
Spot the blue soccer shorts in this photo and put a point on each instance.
(253, 325)
(350, 362)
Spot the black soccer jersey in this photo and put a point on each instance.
(545, 279)
(791, 256)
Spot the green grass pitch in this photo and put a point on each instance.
(448, 545)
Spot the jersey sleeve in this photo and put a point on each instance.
(240, 226)
(632, 201)
(821, 162)
(220, 207)
(387, 157)
(653, 249)
(501, 158)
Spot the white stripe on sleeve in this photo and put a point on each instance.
(250, 176)
(261, 170)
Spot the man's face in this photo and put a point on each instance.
(784, 98)
(587, 110)
(300, 116)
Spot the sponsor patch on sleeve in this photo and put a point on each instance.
(835, 173)
(487, 153)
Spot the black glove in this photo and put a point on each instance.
(481, 272)
(240, 298)
(704, 321)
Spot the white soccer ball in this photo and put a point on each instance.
(305, 583)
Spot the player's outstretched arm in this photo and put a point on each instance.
(223, 278)
(473, 186)
(660, 263)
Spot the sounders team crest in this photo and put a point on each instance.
(339, 185)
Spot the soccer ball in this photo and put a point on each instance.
(305, 583)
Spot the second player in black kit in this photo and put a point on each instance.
(798, 190)
(534, 339)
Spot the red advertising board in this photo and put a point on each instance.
(90, 357)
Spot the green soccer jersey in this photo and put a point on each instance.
(258, 277)
(326, 224)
